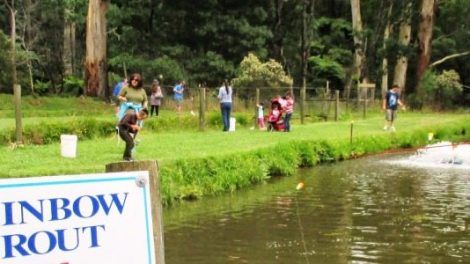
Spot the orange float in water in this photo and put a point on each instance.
(300, 185)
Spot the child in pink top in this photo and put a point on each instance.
(288, 109)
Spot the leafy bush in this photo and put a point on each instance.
(254, 73)
(42, 87)
(48, 132)
(442, 90)
(73, 85)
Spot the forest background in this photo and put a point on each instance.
(75, 47)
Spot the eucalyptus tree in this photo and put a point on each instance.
(96, 67)
(12, 14)
(356, 18)
(404, 38)
(386, 36)
(16, 88)
(74, 23)
(425, 33)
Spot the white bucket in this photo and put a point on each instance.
(232, 124)
(68, 146)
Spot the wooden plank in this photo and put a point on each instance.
(367, 85)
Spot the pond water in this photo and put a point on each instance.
(398, 208)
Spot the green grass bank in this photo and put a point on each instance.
(195, 164)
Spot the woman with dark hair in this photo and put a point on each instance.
(156, 96)
(132, 96)
(225, 99)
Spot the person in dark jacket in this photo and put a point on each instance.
(390, 105)
(127, 127)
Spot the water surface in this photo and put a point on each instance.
(371, 210)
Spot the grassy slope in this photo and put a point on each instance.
(165, 147)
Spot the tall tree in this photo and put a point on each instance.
(278, 29)
(16, 87)
(306, 36)
(386, 36)
(404, 36)
(426, 24)
(12, 10)
(72, 16)
(28, 38)
(96, 61)
(358, 43)
(358, 39)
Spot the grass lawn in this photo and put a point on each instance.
(93, 155)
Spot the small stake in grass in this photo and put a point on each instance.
(351, 132)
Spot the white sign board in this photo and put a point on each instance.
(79, 219)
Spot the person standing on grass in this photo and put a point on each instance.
(132, 96)
(288, 109)
(225, 99)
(155, 98)
(179, 96)
(127, 127)
(261, 125)
(390, 105)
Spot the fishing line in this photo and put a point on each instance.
(301, 228)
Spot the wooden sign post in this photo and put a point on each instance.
(363, 88)
(152, 167)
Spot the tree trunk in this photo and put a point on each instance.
(16, 87)
(69, 48)
(307, 17)
(387, 30)
(278, 32)
(13, 42)
(424, 40)
(95, 62)
(404, 36)
(28, 39)
(358, 40)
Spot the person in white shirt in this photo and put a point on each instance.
(225, 99)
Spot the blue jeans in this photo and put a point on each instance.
(225, 108)
(287, 122)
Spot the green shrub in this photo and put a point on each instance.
(307, 153)
(73, 85)
(49, 132)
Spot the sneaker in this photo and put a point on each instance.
(385, 128)
(128, 159)
(392, 129)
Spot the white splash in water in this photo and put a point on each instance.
(442, 155)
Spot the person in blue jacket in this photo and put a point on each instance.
(116, 90)
(179, 96)
(390, 105)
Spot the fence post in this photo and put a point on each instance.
(154, 180)
(18, 118)
(302, 103)
(364, 108)
(365, 91)
(202, 108)
(358, 88)
(336, 105)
